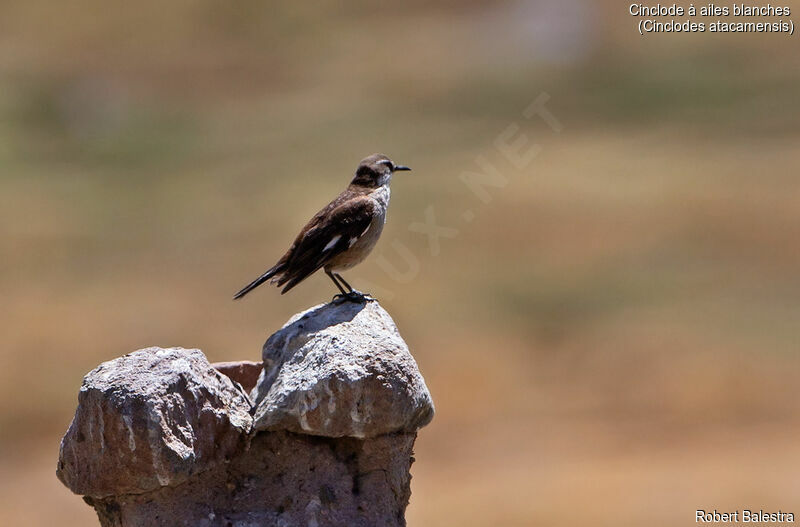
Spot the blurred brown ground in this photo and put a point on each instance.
(612, 340)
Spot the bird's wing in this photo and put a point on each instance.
(332, 234)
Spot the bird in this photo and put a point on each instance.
(341, 235)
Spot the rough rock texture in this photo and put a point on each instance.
(287, 480)
(340, 370)
(150, 419)
(161, 437)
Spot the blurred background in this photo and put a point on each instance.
(611, 340)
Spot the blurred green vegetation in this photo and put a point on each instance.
(619, 320)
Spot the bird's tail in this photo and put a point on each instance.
(260, 280)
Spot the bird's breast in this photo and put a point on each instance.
(367, 241)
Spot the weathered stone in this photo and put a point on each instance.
(340, 370)
(162, 438)
(283, 480)
(245, 372)
(150, 419)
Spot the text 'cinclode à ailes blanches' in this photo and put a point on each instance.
(717, 18)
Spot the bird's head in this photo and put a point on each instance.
(375, 171)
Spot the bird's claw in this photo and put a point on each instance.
(353, 296)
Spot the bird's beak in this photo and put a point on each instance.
(400, 167)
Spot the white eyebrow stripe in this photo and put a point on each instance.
(332, 242)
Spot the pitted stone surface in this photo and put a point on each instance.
(340, 370)
(283, 479)
(150, 419)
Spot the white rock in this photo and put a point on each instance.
(340, 370)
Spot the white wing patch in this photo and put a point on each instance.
(355, 239)
(333, 242)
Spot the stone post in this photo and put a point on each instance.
(323, 438)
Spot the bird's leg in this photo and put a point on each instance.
(348, 286)
(338, 285)
(344, 295)
(353, 294)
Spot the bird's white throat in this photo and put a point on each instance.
(382, 194)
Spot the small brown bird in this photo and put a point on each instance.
(339, 236)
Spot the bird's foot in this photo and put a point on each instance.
(353, 296)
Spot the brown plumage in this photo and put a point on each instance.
(340, 235)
